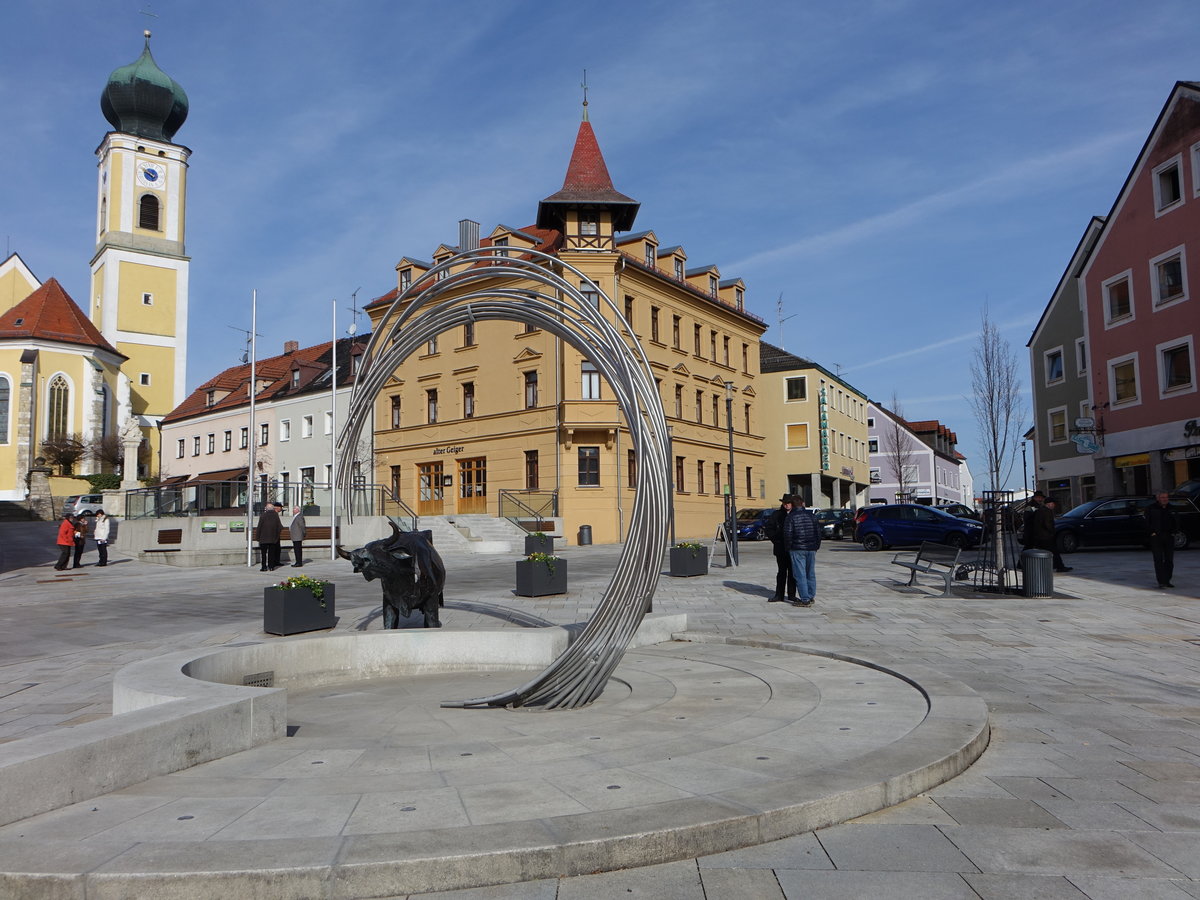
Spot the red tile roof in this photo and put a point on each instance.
(50, 314)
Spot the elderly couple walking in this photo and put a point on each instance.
(796, 537)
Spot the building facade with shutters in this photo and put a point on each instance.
(497, 416)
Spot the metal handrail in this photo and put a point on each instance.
(218, 497)
(548, 508)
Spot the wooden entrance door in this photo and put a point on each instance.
(429, 489)
(472, 485)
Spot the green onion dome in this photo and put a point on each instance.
(143, 100)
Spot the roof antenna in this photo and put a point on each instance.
(584, 86)
(353, 329)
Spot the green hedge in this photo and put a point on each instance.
(104, 481)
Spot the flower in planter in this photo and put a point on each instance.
(305, 581)
(546, 558)
(689, 545)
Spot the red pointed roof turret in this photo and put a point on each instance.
(50, 314)
(587, 185)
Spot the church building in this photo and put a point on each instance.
(119, 360)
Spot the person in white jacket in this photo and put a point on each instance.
(100, 534)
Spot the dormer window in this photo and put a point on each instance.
(295, 378)
(503, 243)
(739, 297)
(405, 279)
(589, 223)
(712, 285)
(210, 398)
(679, 268)
(650, 254)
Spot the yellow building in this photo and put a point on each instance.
(59, 378)
(816, 442)
(139, 277)
(497, 417)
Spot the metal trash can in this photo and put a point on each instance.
(585, 535)
(1037, 573)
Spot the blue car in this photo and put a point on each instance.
(895, 524)
(751, 523)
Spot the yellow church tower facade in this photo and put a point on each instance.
(139, 283)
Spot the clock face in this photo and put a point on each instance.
(151, 175)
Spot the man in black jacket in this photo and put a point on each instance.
(1161, 525)
(785, 579)
(802, 532)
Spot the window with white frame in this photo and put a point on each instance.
(244, 438)
(405, 279)
(329, 421)
(1056, 420)
(306, 426)
(873, 445)
(144, 379)
(678, 269)
(796, 388)
(179, 449)
(1081, 357)
(796, 436)
(589, 223)
(1054, 365)
(196, 445)
(1168, 184)
(1177, 367)
(1123, 380)
(264, 434)
(228, 441)
(590, 381)
(1168, 277)
(285, 429)
(591, 294)
(147, 299)
(212, 443)
(1118, 299)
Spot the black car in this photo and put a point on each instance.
(836, 524)
(1120, 521)
(959, 509)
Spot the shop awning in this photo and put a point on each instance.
(220, 475)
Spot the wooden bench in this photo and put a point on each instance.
(932, 559)
(316, 537)
(168, 536)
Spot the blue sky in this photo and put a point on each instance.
(887, 167)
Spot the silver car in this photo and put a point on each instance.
(83, 505)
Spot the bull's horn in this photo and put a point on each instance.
(395, 538)
(342, 553)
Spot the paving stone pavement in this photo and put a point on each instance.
(1090, 787)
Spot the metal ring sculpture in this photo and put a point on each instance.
(528, 289)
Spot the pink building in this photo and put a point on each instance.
(1140, 318)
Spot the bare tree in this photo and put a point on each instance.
(109, 451)
(64, 451)
(898, 450)
(996, 401)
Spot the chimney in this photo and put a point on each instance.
(468, 235)
(291, 346)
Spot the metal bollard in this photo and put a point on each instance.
(1037, 573)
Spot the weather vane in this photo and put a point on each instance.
(584, 86)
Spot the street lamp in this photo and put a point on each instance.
(731, 497)
(1024, 468)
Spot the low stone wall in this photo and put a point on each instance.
(179, 710)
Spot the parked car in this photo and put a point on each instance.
(959, 509)
(83, 505)
(836, 524)
(751, 523)
(1118, 521)
(892, 524)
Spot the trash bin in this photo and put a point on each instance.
(585, 535)
(1037, 573)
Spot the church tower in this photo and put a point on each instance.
(140, 270)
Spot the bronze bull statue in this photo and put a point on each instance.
(410, 571)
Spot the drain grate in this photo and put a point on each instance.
(259, 679)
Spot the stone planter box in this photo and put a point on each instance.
(539, 544)
(296, 610)
(685, 563)
(534, 578)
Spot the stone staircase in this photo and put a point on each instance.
(474, 534)
(15, 511)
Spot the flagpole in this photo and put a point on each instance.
(333, 537)
(250, 430)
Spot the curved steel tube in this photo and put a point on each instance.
(528, 290)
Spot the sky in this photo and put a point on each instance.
(877, 171)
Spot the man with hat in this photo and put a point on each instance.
(785, 578)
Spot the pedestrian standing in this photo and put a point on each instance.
(100, 535)
(1161, 525)
(65, 541)
(268, 533)
(297, 530)
(81, 531)
(785, 578)
(803, 535)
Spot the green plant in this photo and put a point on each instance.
(689, 545)
(537, 534)
(305, 581)
(546, 558)
(104, 481)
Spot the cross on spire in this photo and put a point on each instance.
(585, 89)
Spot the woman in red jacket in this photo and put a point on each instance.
(66, 541)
